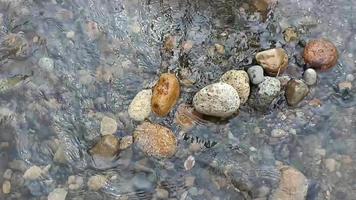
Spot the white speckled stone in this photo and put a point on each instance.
(218, 99)
(140, 107)
(240, 81)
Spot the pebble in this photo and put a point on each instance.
(92, 30)
(219, 48)
(155, 140)
(59, 156)
(189, 163)
(70, 34)
(7, 174)
(296, 91)
(273, 61)
(140, 106)
(165, 94)
(58, 194)
(310, 76)
(344, 86)
(75, 182)
(108, 126)
(293, 185)
(187, 46)
(218, 99)
(96, 182)
(265, 93)
(278, 133)
(126, 142)
(330, 164)
(162, 193)
(46, 63)
(290, 34)
(350, 77)
(240, 81)
(108, 146)
(256, 74)
(6, 187)
(189, 181)
(33, 173)
(320, 54)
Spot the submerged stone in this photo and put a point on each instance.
(296, 91)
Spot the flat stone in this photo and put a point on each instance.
(108, 126)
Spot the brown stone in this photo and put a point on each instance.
(155, 140)
(165, 94)
(108, 146)
(296, 91)
(320, 54)
(273, 61)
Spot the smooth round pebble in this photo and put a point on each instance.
(296, 91)
(6, 187)
(96, 182)
(46, 63)
(140, 107)
(240, 81)
(320, 54)
(218, 99)
(310, 76)
(256, 74)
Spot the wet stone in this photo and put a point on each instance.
(240, 81)
(290, 34)
(108, 126)
(7, 174)
(46, 63)
(296, 91)
(96, 182)
(218, 99)
(265, 93)
(162, 193)
(6, 187)
(75, 182)
(58, 194)
(273, 61)
(108, 146)
(140, 107)
(310, 76)
(320, 54)
(256, 74)
(126, 142)
(345, 86)
(330, 164)
(33, 173)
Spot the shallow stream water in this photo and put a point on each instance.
(104, 52)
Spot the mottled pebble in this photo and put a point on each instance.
(256, 74)
(293, 185)
(126, 142)
(218, 99)
(273, 61)
(344, 86)
(330, 164)
(290, 34)
(108, 146)
(155, 140)
(7, 174)
(265, 93)
(162, 193)
(140, 106)
(108, 126)
(310, 76)
(6, 187)
(96, 182)
(320, 54)
(46, 63)
(240, 81)
(350, 77)
(58, 194)
(165, 94)
(278, 133)
(33, 173)
(296, 91)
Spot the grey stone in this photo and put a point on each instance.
(256, 74)
(46, 63)
(310, 76)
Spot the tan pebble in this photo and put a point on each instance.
(33, 173)
(330, 164)
(140, 106)
(126, 142)
(187, 46)
(165, 94)
(162, 193)
(346, 85)
(240, 80)
(346, 159)
(97, 182)
(155, 140)
(6, 187)
(108, 126)
(108, 146)
(219, 48)
(273, 61)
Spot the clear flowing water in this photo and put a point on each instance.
(104, 52)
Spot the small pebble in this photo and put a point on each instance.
(7, 174)
(46, 63)
(140, 106)
(310, 76)
(108, 126)
(350, 77)
(189, 163)
(75, 182)
(6, 187)
(96, 182)
(58, 194)
(343, 86)
(278, 133)
(256, 74)
(290, 34)
(162, 193)
(330, 164)
(70, 34)
(126, 142)
(33, 173)
(296, 91)
(220, 48)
